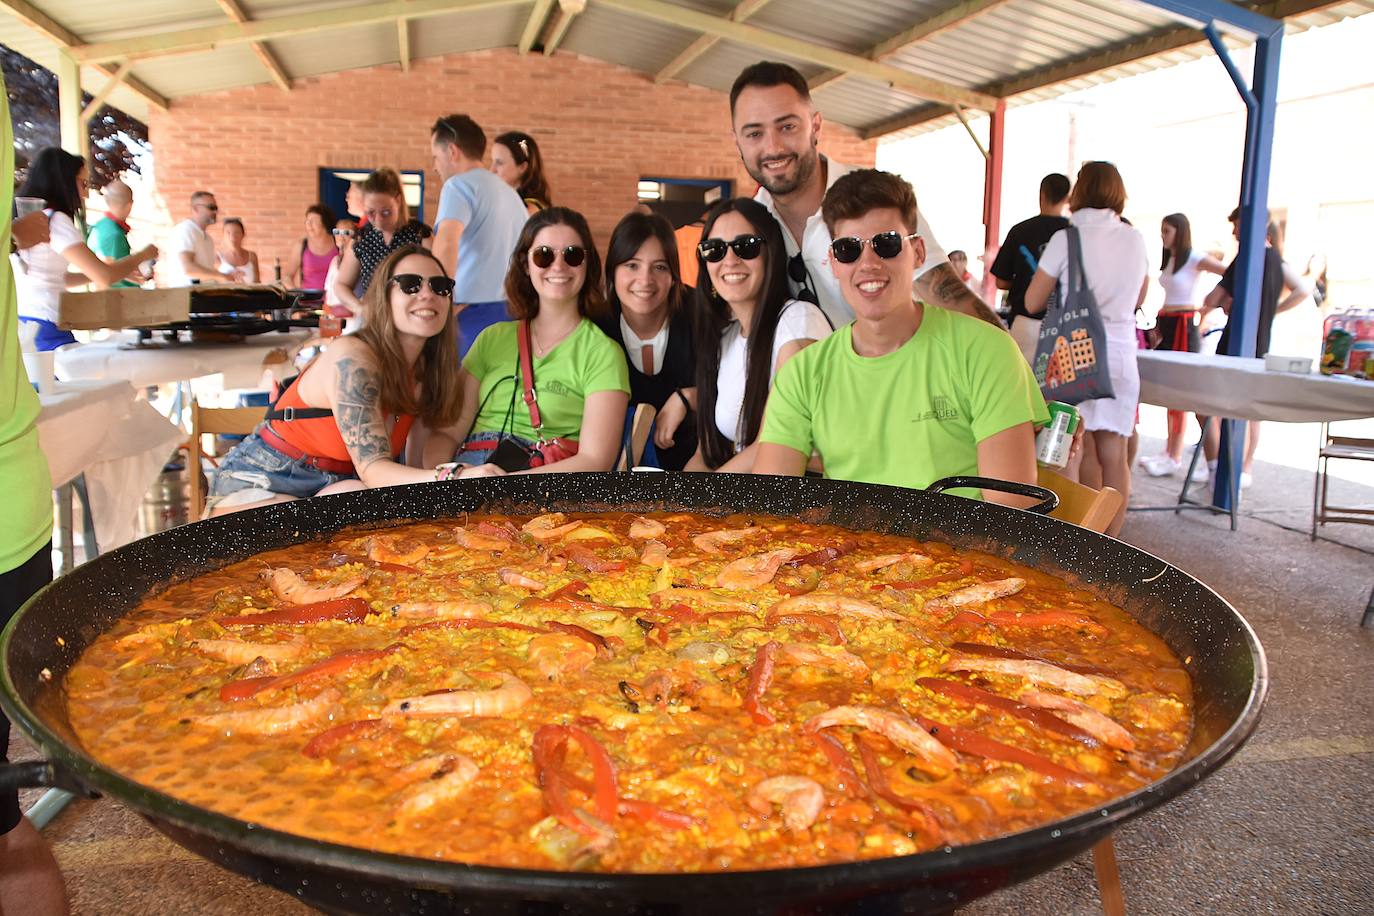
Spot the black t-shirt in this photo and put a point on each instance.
(1271, 288)
(678, 371)
(1011, 264)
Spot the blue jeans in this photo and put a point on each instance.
(50, 336)
(476, 318)
(253, 464)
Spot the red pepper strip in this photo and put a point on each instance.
(760, 676)
(508, 533)
(805, 585)
(978, 648)
(975, 696)
(824, 555)
(589, 560)
(464, 623)
(658, 635)
(242, 690)
(839, 758)
(351, 610)
(964, 569)
(392, 567)
(603, 646)
(966, 618)
(548, 741)
(873, 768)
(681, 613)
(327, 740)
(575, 587)
(814, 621)
(1048, 619)
(245, 688)
(640, 810)
(970, 742)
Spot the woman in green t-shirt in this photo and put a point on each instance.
(581, 383)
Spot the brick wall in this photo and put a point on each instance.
(600, 127)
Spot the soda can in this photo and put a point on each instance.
(1053, 442)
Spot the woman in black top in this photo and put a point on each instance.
(389, 228)
(649, 319)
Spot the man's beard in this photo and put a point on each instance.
(781, 184)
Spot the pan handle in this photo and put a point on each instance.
(40, 774)
(1049, 500)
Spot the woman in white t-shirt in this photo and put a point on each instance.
(42, 272)
(1116, 269)
(747, 326)
(1177, 326)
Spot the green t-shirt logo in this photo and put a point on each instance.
(941, 408)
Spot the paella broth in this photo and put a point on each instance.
(781, 694)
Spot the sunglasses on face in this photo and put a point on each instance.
(410, 284)
(345, 233)
(745, 247)
(213, 208)
(543, 256)
(885, 245)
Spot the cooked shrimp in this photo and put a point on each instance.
(1103, 728)
(755, 571)
(839, 659)
(473, 540)
(656, 554)
(441, 610)
(832, 603)
(646, 528)
(712, 541)
(444, 777)
(667, 597)
(517, 578)
(548, 527)
(271, 721)
(510, 696)
(1042, 673)
(557, 654)
(896, 727)
(288, 586)
(391, 549)
(237, 652)
(892, 559)
(981, 593)
(801, 799)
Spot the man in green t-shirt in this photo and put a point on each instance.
(905, 394)
(109, 237)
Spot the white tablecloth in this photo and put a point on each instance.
(1229, 386)
(242, 363)
(117, 439)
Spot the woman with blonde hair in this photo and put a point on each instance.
(389, 228)
(342, 424)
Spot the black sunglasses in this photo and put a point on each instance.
(543, 256)
(797, 273)
(410, 284)
(747, 247)
(885, 245)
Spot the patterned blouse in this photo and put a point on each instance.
(371, 249)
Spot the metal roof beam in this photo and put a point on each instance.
(705, 43)
(188, 41)
(802, 49)
(558, 26)
(935, 25)
(59, 35)
(266, 57)
(533, 25)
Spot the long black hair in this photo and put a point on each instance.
(633, 230)
(1183, 242)
(712, 315)
(52, 176)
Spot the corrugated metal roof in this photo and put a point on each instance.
(1010, 44)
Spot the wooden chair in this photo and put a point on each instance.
(641, 422)
(1092, 509)
(206, 421)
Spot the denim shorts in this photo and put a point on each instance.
(472, 459)
(255, 465)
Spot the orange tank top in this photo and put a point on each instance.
(319, 436)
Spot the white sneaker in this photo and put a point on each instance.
(1200, 473)
(1246, 479)
(1161, 466)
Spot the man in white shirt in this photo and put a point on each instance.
(776, 130)
(191, 252)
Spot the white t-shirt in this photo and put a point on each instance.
(187, 236)
(798, 321)
(1180, 287)
(44, 275)
(815, 248)
(1115, 261)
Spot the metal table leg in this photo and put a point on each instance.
(65, 540)
(1368, 611)
(88, 541)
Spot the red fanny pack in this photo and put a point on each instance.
(545, 451)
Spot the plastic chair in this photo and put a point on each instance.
(640, 423)
(206, 421)
(1092, 509)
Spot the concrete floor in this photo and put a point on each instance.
(1283, 828)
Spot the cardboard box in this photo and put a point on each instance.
(123, 307)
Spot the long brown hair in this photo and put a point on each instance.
(441, 397)
(524, 151)
(1183, 242)
(388, 181)
(522, 301)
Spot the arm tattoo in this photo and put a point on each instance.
(358, 413)
(941, 286)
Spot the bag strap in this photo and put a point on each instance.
(527, 378)
(1077, 274)
(290, 414)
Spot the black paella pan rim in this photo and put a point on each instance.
(35, 654)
